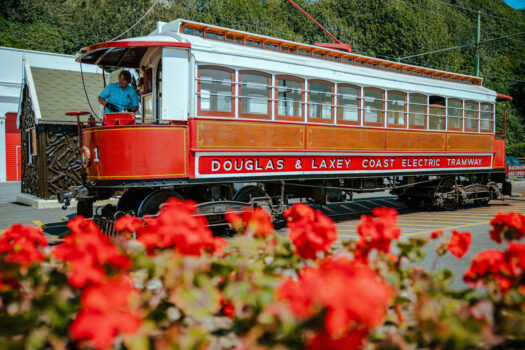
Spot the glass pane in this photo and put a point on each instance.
(320, 101)
(455, 112)
(373, 106)
(348, 103)
(471, 115)
(290, 98)
(486, 117)
(436, 118)
(396, 108)
(418, 110)
(254, 94)
(216, 89)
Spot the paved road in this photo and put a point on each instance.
(412, 222)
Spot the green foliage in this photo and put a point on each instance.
(517, 149)
(381, 28)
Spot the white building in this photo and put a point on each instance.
(11, 73)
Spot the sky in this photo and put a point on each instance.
(517, 4)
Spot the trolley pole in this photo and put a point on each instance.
(478, 39)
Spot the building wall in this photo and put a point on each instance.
(11, 80)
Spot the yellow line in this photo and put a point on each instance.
(38, 223)
(443, 228)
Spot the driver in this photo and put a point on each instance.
(119, 95)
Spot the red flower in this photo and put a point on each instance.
(177, 226)
(459, 243)
(105, 313)
(128, 223)
(351, 341)
(254, 222)
(436, 234)
(301, 294)
(486, 266)
(510, 226)
(310, 231)
(515, 256)
(20, 244)
(362, 305)
(88, 251)
(377, 233)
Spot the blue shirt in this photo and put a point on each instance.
(122, 98)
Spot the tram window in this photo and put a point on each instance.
(455, 114)
(396, 108)
(289, 98)
(471, 116)
(418, 111)
(486, 117)
(215, 91)
(374, 106)
(320, 100)
(436, 117)
(255, 94)
(348, 99)
(436, 113)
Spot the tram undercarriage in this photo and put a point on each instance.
(430, 192)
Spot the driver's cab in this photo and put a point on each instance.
(159, 66)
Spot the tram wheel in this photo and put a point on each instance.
(444, 186)
(151, 203)
(130, 201)
(246, 193)
(481, 202)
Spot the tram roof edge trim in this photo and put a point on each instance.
(124, 53)
(181, 23)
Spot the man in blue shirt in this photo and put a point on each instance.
(120, 94)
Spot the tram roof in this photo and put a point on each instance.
(129, 53)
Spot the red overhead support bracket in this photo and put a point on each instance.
(313, 20)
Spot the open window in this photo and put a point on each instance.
(436, 113)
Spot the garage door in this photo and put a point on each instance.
(12, 147)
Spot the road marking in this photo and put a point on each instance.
(443, 228)
(39, 224)
(362, 205)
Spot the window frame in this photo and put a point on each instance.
(477, 116)
(382, 123)
(461, 117)
(308, 91)
(276, 98)
(201, 112)
(444, 118)
(240, 97)
(405, 113)
(339, 106)
(425, 116)
(491, 105)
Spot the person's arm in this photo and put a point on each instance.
(102, 98)
(102, 101)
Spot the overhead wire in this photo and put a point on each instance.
(476, 11)
(137, 22)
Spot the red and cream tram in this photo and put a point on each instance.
(229, 117)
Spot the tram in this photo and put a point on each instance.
(230, 118)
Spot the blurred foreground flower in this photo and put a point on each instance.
(20, 244)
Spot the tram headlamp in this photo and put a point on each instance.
(86, 156)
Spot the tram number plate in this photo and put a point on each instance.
(219, 208)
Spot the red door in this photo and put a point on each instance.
(12, 148)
